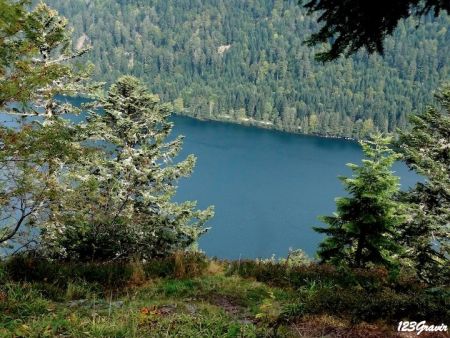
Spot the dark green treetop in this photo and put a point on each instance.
(353, 24)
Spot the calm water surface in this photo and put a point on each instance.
(267, 187)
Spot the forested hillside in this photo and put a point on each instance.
(246, 61)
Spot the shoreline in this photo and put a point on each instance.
(263, 125)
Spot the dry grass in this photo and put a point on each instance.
(215, 268)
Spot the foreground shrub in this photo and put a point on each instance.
(297, 276)
(108, 275)
(359, 305)
(354, 294)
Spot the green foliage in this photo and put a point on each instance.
(355, 294)
(88, 201)
(77, 305)
(120, 206)
(27, 185)
(12, 17)
(30, 269)
(35, 46)
(21, 299)
(313, 276)
(178, 288)
(267, 77)
(363, 230)
(295, 258)
(190, 264)
(149, 314)
(426, 150)
(34, 49)
(364, 306)
(79, 290)
(352, 25)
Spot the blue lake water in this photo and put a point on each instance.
(267, 187)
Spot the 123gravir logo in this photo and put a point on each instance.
(420, 327)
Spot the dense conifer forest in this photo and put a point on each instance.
(246, 61)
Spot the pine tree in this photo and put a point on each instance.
(122, 202)
(363, 229)
(426, 150)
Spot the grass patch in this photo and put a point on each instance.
(194, 297)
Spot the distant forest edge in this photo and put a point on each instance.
(245, 61)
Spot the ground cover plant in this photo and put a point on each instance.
(189, 295)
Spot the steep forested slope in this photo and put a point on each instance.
(245, 61)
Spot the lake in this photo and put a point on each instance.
(267, 187)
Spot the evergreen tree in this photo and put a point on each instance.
(363, 229)
(121, 205)
(426, 150)
(35, 47)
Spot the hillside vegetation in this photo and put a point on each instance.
(245, 61)
(190, 296)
